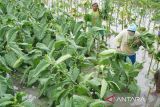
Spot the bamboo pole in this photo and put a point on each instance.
(150, 65)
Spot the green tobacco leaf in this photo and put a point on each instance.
(6, 97)
(98, 29)
(10, 58)
(39, 31)
(78, 26)
(10, 8)
(82, 90)
(97, 103)
(62, 58)
(42, 46)
(6, 103)
(3, 31)
(18, 62)
(133, 87)
(3, 86)
(65, 102)
(74, 73)
(35, 73)
(115, 84)
(94, 83)
(42, 12)
(108, 53)
(68, 102)
(3, 65)
(59, 44)
(88, 77)
(103, 88)
(90, 41)
(81, 101)
(44, 83)
(15, 48)
(11, 35)
(74, 44)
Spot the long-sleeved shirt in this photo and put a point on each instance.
(122, 40)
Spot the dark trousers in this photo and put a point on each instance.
(132, 58)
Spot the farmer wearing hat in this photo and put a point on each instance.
(123, 39)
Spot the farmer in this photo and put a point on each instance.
(123, 39)
(157, 43)
(96, 19)
(157, 81)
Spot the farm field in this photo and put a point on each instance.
(64, 53)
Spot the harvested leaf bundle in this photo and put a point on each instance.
(135, 43)
(147, 41)
(87, 18)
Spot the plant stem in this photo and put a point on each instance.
(157, 65)
(150, 65)
(148, 95)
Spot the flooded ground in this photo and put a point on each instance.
(144, 81)
(31, 92)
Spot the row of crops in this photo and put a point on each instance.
(51, 51)
(118, 13)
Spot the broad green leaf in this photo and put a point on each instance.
(10, 8)
(90, 41)
(62, 58)
(108, 53)
(65, 102)
(82, 90)
(98, 103)
(10, 58)
(42, 12)
(74, 73)
(6, 103)
(40, 30)
(88, 77)
(18, 62)
(24, 44)
(3, 65)
(74, 44)
(6, 97)
(3, 31)
(35, 73)
(78, 26)
(42, 46)
(44, 83)
(98, 29)
(94, 83)
(11, 35)
(103, 88)
(68, 102)
(15, 48)
(3, 86)
(81, 101)
(59, 44)
(112, 82)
